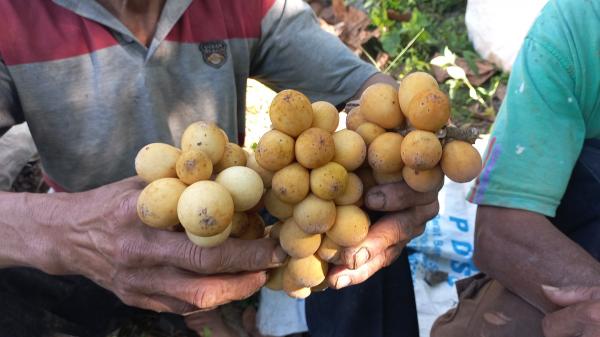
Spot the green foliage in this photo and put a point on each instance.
(439, 28)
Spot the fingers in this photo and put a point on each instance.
(198, 291)
(562, 323)
(340, 277)
(391, 230)
(233, 255)
(571, 295)
(397, 197)
(159, 303)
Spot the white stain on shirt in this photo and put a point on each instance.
(519, 149)
(522, 87)
(570, 99)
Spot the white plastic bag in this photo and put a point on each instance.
(16, 149)
(497, 28)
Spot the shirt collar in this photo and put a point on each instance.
(91, 9)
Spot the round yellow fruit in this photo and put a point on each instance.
(325, 116)
(292, 288)
(314, 215)
(193, 165)
(352, 193)
(209, 241)
(275, 150)
(329, 251)
(297, 243)
(350, 149)
(207, 137)
(308, 271)
(291, 112)
(429, 110)
(275, 281)
(155, 161)
(291, 184)
(256, 227)
(244, 185)
(277, 208)
(351, 226)
(234, 155)
(461, 162)
(388, 178)
(425, 180)
(239, 224)
(314, 148)
(205, 208)
(369, 131)
(354, 119)
(413, 84)
(157, 204)
(264, 174)
(379, 105)
(384, 153)
(421, 150)
(329, 181)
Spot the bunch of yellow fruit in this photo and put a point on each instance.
(310, 177)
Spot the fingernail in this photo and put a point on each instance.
(361, 257)
(342, 281)
(550, 288)
(279, 255)
(375, 200)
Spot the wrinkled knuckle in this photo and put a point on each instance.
(195, 255)
(125, 252)
(204, 299)
(401, 229)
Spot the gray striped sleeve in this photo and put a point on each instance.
(10, 108)
(295, 53)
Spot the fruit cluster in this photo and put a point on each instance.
(310, 177)
(205, 186)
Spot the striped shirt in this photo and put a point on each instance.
(93, 95)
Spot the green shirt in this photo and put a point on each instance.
(552, 105)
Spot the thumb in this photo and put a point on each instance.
(571, 295)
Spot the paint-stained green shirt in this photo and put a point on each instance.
(552, 105)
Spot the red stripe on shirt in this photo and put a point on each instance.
(218, 20)
(40, 30)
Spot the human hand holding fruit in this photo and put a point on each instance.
(149, 268)
(317, 180)
(408, 211)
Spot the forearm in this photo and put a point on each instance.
(26, 231)
(523, 250)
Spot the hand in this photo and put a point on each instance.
(580, 315)
(149, 268)
(387, 237)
